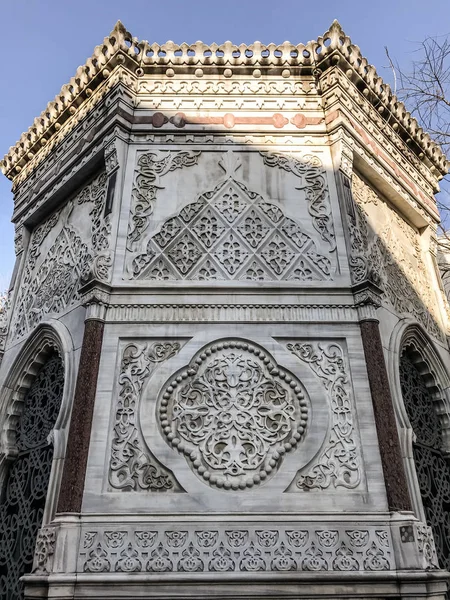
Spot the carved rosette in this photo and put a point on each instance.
(234, 413)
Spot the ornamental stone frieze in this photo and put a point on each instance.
(230, 253)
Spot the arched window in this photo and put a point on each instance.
(420, 400)
(24, 492)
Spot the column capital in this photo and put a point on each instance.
(367, 297)
(95, 297)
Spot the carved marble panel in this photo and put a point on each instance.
(387, 249)
(195, 548)
(339, 463)
(234, 413)
(64, 249)
(151, 167)
(233, 233)
(132, 464)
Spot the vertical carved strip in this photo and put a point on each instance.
(340, 463)
(72, 485)
(391, 459)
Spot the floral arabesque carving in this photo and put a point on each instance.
(132, 465)
(311, 173)
(236, 550)
(234, 413)
(54, 285)
(45, 548)
(50, 285)
(100, 228)
(231, 232)
(385, 248)
(339, 464)
(150, 168)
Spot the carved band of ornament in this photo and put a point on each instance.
(132, 464)
(222, 549)
(310, 171)
(26, 207)
(229, 120)
(150, 168)
(387, 138)
(400, 176)
(120, 47)
(249, 87)
(339, 464)
(282, 313)
(425, 214)
(40, 151)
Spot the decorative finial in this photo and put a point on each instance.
(230, 163)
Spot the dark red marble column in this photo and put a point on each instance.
(72, 485)
(391, 458)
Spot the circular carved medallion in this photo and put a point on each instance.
(234, 413)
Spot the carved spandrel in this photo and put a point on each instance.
(339, 463)
(313, 183)
(150, 168)
(132, 465)
(61, 255)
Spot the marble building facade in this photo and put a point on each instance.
(225, 361)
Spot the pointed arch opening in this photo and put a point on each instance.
(421, 395)
(34, 413)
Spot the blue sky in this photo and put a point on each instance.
(44, 41)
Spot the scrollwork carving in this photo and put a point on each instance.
(386, 249)
(313, 182)
(339, 464)
(150, 168)
(233, 412)
(132, 465)
(45, 548)
(51, 284)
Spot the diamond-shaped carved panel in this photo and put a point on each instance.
(232, 233)
(185, 253)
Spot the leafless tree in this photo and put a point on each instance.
(425, 90)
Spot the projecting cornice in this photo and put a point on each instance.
(121, 49)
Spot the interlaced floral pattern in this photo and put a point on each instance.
(231, 232)
(194, 549)
(432, 468)
(24, 497)
(53, 276)
(132, 465)
(339, 464)
(234, 413)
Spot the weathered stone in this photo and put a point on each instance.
(232, 254)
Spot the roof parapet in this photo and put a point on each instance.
(121, 48)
